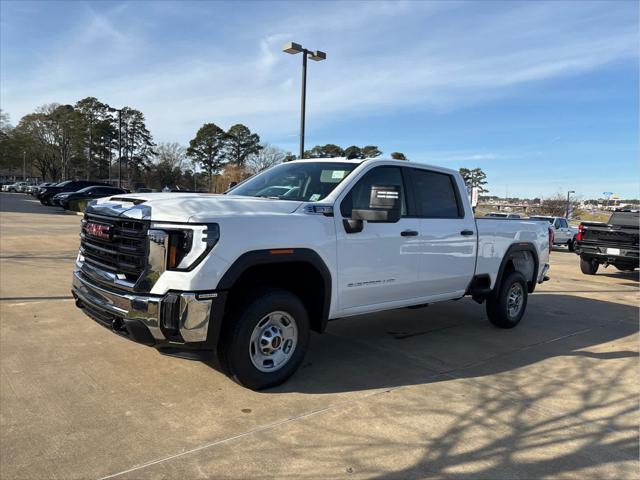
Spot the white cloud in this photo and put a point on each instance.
(381, 56)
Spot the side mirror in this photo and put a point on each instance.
(232, 184)
(384, 205)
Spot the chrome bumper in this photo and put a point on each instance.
(188, 313)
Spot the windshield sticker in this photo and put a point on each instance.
(314, 197)
(332, 176)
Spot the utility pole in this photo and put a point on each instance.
(24, 165)
(110, 140)
(119, 148)
(303, 102)
(89, 156)
(317, 55)
(568, 202)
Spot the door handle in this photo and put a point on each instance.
(409, 233)
(466, 233)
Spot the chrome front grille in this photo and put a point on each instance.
(116, 245)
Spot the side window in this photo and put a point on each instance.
(556, 224)
(435, 194)
(563, 223)
(360, 194)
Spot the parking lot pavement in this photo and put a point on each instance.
(435, 392)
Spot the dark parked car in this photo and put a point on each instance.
(89, 193)
(46, 194)
(612, 243)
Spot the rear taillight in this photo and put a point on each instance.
(551, 234)
(580, 233)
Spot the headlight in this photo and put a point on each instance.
(181, 247)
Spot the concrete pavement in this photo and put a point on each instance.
(435, 393)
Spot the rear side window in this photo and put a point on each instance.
(435, 194)
(360, 195)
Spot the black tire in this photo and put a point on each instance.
(588, 266)
(572, 245)
(625, 268)
(235, 355)
(499, 309)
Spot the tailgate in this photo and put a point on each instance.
(609, 235)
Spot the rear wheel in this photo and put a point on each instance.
(266, 339)
(572, 245)
(588, 266)
(507, 307)
(625, 268)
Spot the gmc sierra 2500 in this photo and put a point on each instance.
(246, 275)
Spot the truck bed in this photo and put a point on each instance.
(496, 235)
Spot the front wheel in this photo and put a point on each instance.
(588, 266)
(266, 339)
(572, 245)
(506, 308)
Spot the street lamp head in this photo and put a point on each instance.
(318, 56)
(292, 48)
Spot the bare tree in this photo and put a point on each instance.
(172, 154)
(267, 157)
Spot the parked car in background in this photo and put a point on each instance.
(612, 243)
(34, 189)
(502, 215)
(564, 234)
(65, 199)
(14, 187)
(47, 193)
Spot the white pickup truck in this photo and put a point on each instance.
(243, 277)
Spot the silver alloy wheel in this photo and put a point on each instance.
(515, 298)
(273, 341)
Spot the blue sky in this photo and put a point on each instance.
(542, 95)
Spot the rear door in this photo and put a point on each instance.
(380, 263)
(448, 236)
(562, 232)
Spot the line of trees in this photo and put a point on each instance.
(78, 141)
(330, 150)
(92, 140)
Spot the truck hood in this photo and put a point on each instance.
(190, 207)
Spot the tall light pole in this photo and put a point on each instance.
(568, 201)
(317, 55)
(119, 147)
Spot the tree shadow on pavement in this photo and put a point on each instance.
(557, 396)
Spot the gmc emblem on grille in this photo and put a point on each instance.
(97, 230)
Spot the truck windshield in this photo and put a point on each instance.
(301, 181)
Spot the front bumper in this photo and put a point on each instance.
(177, 320)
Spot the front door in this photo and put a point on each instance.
(380, 263)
